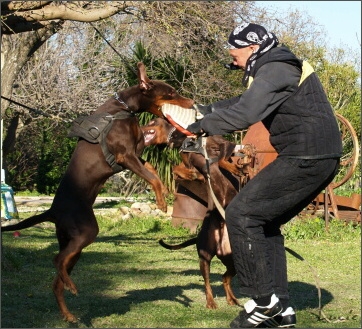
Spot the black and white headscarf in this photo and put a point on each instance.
(248, 34)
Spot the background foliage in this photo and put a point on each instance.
(75, 71)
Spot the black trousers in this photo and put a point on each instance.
(253, 218)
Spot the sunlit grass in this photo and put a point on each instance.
(126, 280)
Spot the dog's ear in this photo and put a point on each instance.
(143, 80)
(145, 86)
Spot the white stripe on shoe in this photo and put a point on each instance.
(280, 321)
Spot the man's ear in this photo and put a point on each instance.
(254, 48)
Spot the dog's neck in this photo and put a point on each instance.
(136, 101)
(116, 96)
(130, 99)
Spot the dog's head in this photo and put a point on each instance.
(158, 93)
(159, 131)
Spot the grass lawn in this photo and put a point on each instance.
(126, 280)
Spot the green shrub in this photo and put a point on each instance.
(309, 228)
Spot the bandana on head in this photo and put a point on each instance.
(248, 34)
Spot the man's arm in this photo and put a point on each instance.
(272, 85)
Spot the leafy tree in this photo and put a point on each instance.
(27, 25)
(40, 158)
(180, 42)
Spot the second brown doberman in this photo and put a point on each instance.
(212, 238)
(160, 131)
(72, 207)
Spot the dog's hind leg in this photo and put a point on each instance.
(64, 265)
(58, 290)
(205, 271)
(225, 255)
(226, 280)
(70, 251)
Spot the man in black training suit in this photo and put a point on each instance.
(285, 94)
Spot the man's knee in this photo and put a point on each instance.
(243, 225)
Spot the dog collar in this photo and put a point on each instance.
(122, 102)
(169, 136)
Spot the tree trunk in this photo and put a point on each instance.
(15, 52)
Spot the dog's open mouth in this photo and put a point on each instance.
(148, 135)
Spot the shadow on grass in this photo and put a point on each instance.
(100, 306)
(31, 272)
(302, 295)
(108, 204)
(103, 307)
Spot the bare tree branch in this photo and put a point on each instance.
(24, 16)
(71, 13)
(23, 5)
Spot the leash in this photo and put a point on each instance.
(214, 198)
(26, 107)
(115, 50)
(169, 136)
(316, 278)
(290, 251)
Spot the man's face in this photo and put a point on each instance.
(240, 56)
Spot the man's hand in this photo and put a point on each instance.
(202, 110)
(195, 128)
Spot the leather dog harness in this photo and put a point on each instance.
(95, 128)
(199, 146)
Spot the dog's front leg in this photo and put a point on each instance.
(140, 168)
(180, 171)
(150, 168)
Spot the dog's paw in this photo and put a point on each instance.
(69, 317)
(163, 208)
(72, 288)
(211, 305)
(232, 301)
(165, 191)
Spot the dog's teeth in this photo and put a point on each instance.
(149, 135)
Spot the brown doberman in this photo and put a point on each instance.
(160, 131)
(212, 238)
(89, 168)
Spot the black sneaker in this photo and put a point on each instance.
(254, 315)
(286, 319)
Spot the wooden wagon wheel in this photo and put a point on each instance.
(350, 153)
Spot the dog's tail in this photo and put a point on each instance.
(178, 246)
(29, 222)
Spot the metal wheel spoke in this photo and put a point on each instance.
(350, 153)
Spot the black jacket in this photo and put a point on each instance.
(293, 107)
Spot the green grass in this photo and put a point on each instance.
(126, 280)
(112, 204)
(31, 193)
